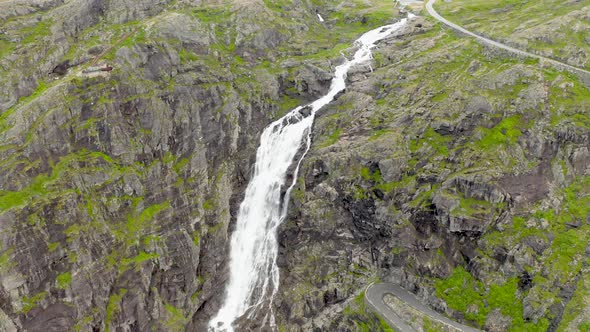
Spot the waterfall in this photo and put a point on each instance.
(254, 275)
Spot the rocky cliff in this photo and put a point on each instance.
(454, 169)
(118, 188)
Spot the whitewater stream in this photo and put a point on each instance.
(254, 274)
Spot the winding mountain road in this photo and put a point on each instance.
(496, 44)
(375, 293)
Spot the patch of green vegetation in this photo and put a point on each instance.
(577, 201)
(576, 306)
(471, 206)
(563, 166)
(287, 103)
(104, 100)
(148, 240)
(517, 232)
(36, 33)
(64, 280)
(73, 232)
(329, 53)
(38, 187)
(567, 248)
(6, 48)
(584, 326)
(504, 133)
(279, 5)
(29, 303)
(359, 17)
(405, 182)
(181, 164)
(433, 140)
(271, 67)
(138, 222)
(333, 137)
(187, 55)
(367, 175)
(6, 262)
(378, 133)
(209, 204)
(568, 100)
(213, 15)
(82, 323)
(125, 35)
(137, 260)
(177, 320)
(52, 246)
(505, 298)
(440, 96)
(72, 257)
(463, 293)
(197, 238)
(368, 327)
(298, 192)
(137, 37)
(424, 198)
(565, 255)
(9, 199)
(42, 86)
(113, 307)
(168, 158)
(238, 61)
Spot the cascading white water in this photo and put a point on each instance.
(254, 275)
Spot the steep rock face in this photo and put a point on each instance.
(449, 168)
(117, 203)
(123, 203)
(472, 217)
(118, 188)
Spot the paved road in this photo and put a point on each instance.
(493, 43)
(374, 298)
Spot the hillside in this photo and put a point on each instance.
(556, 29)
(128, 134)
